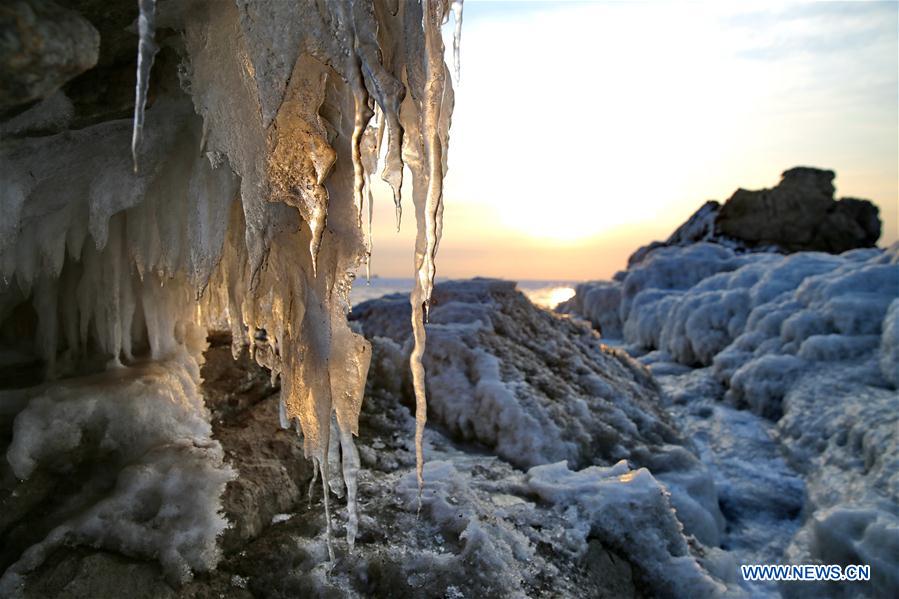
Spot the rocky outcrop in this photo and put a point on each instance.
(800, 214)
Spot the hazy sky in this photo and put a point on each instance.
(585, 129)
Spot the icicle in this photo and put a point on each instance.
(146, 52)
(362, 116)
(323, 464)
(369, 245)
(382, 79)
(435, 81)
(313, 481)
(418, 382)
(393, 175)
(335, 483)
(370, 147)
(317, 229)
(457, 37)
(430, 221)
(350, 472)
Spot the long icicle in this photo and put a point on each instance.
(435, 81)
(373, 164)
(146, 53)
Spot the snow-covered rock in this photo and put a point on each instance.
(123, 460)
(607, 500)
(597, 302)
(889, 345)
(482, 528)
(534, 389)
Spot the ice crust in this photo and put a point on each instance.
(241, 204)
(535, 389)
(149, 475)
(632, 507)
(807, 340)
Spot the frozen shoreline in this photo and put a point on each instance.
(804, 346)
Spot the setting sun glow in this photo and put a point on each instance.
(626, 117)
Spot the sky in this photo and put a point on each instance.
(583, 130)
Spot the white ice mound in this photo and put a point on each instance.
(808, 340)
(703, 304)
(535, 388)
(123, 460)
(629, 510)
(492, 511)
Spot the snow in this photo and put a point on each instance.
(488, 528)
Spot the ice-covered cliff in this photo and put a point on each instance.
(236, 194)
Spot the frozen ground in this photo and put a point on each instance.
(551, 470)
(782, 370)
(760, 494)
(556, 465)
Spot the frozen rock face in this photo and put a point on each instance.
(254, 138)
(807, 340)
(534, 388)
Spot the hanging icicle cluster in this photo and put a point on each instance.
(287, 108)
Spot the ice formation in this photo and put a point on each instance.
(535, 389)
(146, 52)
(242, 203)
(584, 455)
(807, 340)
